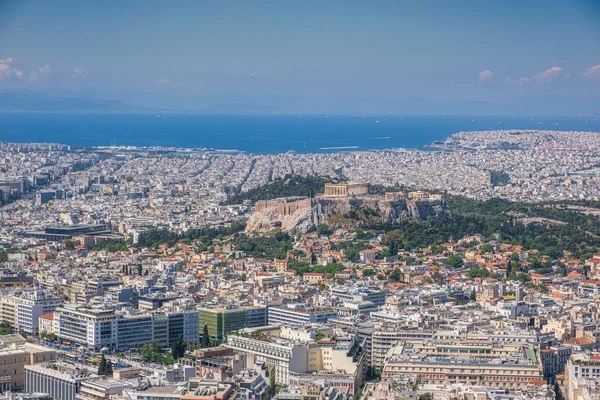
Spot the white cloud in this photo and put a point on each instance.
(8, 68)
(40, 73)
(547, 76)
(592, 72)
(550, 74)
(80, 73)
(485, 75)
(5, 70)
(252, 75)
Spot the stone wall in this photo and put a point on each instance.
(283, 206)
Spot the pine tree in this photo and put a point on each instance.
(109, 368)
(205, 337)
(272, 380)
(508, 269)
(102, 368)
(178, 348)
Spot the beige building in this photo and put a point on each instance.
(313, 277)
(8, 309)
(563, 328)
(15, 354)
(478, 363)
(582, 377)
(45, 323)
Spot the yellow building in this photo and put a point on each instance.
(15, 353)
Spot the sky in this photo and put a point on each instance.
(446, 50)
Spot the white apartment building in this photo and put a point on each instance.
(91, 327)
(582, 375)
(284, 356)
(22, 309)
(105, 328)
(60, 382)
(298, 315)
(295, 360)
(33, 305)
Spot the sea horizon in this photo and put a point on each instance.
(262, 133)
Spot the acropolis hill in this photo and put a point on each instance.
(301, 214)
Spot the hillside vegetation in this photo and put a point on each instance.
(290, 185)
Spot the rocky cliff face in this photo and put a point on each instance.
(303, 220)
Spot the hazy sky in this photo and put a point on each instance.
(445, 50)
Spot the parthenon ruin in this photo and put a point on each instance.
(345, 189)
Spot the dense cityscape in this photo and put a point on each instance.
(467, 271)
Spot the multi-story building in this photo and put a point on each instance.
(220, 321)
(382, 340)
(105, 328)
(13, 359)
(582, 376)
(95, 328)
(154, 301)
(554, 360)
(57, 380)
(298, 315)
(31, 306)
(22, 309)
(282, 355)
(358, 294)
(468, 362)
(340, 363)
(134, 331)
(101, 389)
(8, 308)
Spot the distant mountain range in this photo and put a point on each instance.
(539, 105)
(34, 102)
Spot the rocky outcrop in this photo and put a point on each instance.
(300, 221)
(303, 219)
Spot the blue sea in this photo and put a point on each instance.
(261, 134)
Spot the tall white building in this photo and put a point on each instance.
(22, 309)
(31, 306)
(338, 362)
(98, 328)
(92, 327)
(59, 381)
(298, 315)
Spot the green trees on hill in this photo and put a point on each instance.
(275, 246)
(455, 261)
(579, 235)
(330, 269)
(499, 178)
(112, 246)
(204, 235)
(290, 185)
